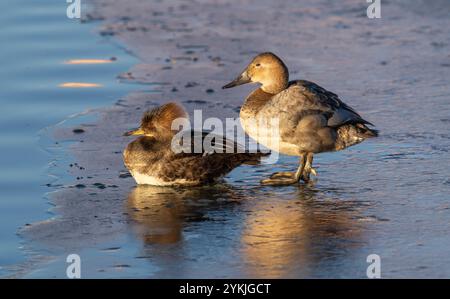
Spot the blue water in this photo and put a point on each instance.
(36, 39)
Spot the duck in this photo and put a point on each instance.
(154, 159)
(296, 118)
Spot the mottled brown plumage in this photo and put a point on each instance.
(152, 160)
(309, 118)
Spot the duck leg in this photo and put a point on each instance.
(308, 168)
(287, 178)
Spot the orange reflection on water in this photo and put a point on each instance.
(157, 211)
(88, 61)
(79, 85)
(284, 238)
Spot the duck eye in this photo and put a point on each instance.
(258, 64)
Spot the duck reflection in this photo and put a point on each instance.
(159, 214)
(267, 234)
(294, 237)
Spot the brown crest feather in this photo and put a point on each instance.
(164, 115)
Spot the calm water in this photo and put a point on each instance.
(37, 41)
(388, 196)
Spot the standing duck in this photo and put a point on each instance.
(151, 158)
(309, 119)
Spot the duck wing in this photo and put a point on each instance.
(309, 98)
(207, 156)
(195, 143)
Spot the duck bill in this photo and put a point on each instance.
(135, 132)
(242, 79)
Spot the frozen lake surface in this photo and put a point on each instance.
(388, 196)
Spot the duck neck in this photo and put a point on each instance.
(275, 88)
(277, 82)
(257, 99)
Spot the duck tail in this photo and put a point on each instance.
(253, 158)
(351, 134)
(365, 131)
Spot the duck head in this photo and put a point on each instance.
(266, 69)
(157, 122)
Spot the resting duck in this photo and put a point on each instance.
(308, 118)
(151, 159)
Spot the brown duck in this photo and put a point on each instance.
(306, 118)
(151, 159)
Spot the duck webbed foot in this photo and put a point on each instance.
(279, 181)
(283, 174)
(287, 178)
(306, 176)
